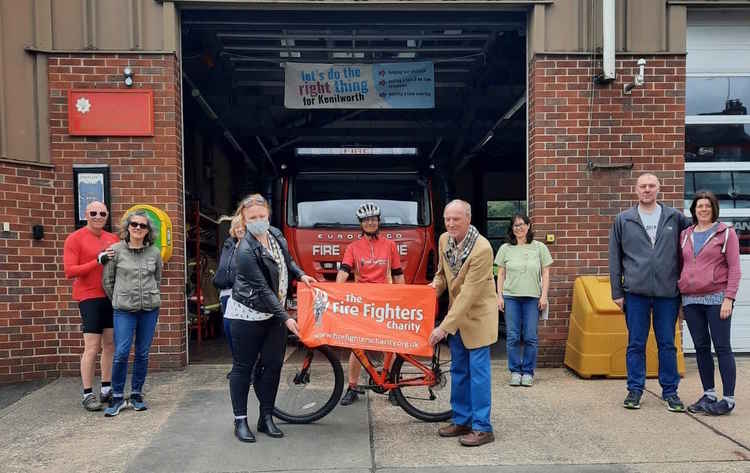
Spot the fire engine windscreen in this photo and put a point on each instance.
(320, 200)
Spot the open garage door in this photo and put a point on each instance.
(241, 137)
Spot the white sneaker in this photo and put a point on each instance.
(515, 379)
(527, 380)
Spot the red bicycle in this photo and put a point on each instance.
(312, 382)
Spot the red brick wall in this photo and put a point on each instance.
(39, 323)
(31, 308)
(573, 122)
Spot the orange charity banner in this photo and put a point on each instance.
(380, 317)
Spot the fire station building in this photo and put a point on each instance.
(550, 107)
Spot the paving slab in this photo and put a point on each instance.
(10, 393)
(199, 437)
(561, 420)
(48, 430)
(735, 425)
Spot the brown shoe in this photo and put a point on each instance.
(476, 438)
(454, 430)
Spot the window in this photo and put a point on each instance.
(717, 123)
(319, 200)
(499, 213)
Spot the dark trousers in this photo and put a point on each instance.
(267, 338)
(705, 325)
(638, 319)
(227, 322)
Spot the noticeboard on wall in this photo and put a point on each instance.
(90, 183)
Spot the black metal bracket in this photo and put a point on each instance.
(592, 166)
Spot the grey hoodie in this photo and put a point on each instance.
(638, 267)
(132, 278)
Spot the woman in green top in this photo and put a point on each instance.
(522, 285)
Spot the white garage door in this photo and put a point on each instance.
(717, 134)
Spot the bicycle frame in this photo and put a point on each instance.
(381, 378)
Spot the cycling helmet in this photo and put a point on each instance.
(368, 209)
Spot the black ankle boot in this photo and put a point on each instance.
(266, 425)
(242, 430)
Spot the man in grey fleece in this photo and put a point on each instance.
(644, 266)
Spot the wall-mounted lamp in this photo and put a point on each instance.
(127, 76)
(638, 80)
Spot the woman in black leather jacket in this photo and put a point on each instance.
(225, 273)
(258, 318)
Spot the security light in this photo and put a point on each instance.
(127, 74)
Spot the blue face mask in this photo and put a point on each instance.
(258, 227)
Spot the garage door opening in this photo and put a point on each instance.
(240, 138)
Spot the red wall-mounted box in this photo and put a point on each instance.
(111, 112)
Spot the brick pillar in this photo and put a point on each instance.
(574, 124)
(143, 170)
(30, 274)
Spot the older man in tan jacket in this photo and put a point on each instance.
(465, 269)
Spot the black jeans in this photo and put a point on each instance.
(267, 337)
(705, 325)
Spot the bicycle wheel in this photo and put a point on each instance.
(311, 384)
(428, 403)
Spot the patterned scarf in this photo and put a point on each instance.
(457, 254)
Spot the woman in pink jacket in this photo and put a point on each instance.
(708, 283)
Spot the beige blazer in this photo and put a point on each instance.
(473, 301)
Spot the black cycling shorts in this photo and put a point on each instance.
(96, 315)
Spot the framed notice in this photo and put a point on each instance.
(90, 183)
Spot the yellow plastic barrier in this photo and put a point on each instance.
(598, 337)
(162, 228)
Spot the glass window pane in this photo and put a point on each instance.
(497, 228)
(717, 95)
(505, 208)
(720, 183)
(732, 188)
(717, 143)
(499, 209)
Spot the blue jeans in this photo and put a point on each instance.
(227, 323)
(471, 393)
(521, 320)
(705, 325)
(638, 319)
(142, 323)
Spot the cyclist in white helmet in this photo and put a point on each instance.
(370, 259)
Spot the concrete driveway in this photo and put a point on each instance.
(562, 424)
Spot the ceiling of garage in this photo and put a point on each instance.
(235, 62)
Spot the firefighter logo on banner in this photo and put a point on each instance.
(320, 304)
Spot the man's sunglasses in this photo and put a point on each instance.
(101, 214)
(142, 226)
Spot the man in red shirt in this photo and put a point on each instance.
(86, 251)
(371, 259)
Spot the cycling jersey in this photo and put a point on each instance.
(373, 260)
